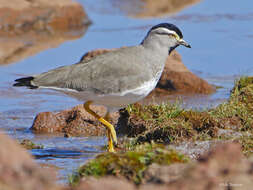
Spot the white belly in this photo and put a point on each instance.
(120, 100)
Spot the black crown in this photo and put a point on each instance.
(170, 27)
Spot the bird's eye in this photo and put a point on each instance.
(175, 36)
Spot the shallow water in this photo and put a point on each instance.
(221, 35)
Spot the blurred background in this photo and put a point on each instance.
(40, 35)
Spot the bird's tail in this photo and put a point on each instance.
(26, 81)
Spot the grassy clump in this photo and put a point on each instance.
(157, 113)
(29, 145)
(240, 105)
(129, 164)
(168, 123)
(246, 142)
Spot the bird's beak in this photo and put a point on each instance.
(184, 43)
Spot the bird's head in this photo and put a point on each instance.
(165, 35)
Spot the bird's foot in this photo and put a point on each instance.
(110, 141)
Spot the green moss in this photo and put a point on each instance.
(157, 113)
(29, 145)
(247, 144)
(129, 164)
(240, 104)
(244, 82)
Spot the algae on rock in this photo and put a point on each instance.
(130, 164)
(29, 145)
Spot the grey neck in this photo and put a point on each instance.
(157, 50)
(156, 43)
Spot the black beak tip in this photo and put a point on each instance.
(184, 43)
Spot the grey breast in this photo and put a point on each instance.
(112, 72)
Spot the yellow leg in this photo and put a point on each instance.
(110, 141)
(111, 133)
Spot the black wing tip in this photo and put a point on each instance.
(26, 81)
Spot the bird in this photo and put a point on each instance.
(114, 79)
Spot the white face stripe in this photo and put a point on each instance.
(167, 31)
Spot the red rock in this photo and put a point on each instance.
(19, 16)
(151, 8)
(177, 79)
(164, 174)
(224, 167)
(18, 170)
(47, 122)
(107, 183)
(73, 122)
(87, 56)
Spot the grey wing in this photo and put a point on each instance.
(118, 71)
(107, 73)
(61, 77)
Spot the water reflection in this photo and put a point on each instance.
(16, 48)
(214, 17)
(151, 8)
